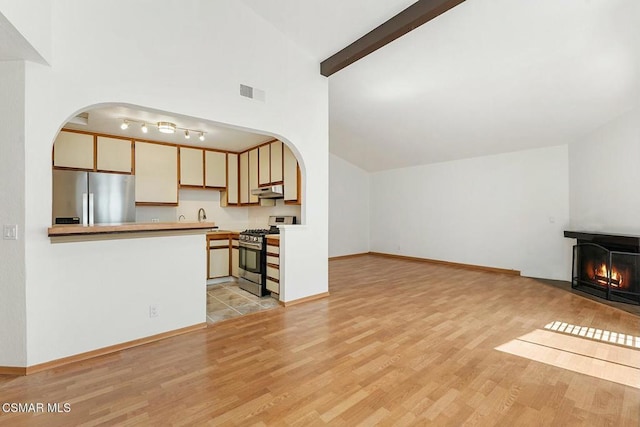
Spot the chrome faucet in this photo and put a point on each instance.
(202, 215)
(181, 217)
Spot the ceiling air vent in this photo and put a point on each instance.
(253, 93)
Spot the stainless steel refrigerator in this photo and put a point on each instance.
(93, 198)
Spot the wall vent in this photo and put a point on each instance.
(253, 93)
(246, 91)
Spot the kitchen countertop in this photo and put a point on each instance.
(79, 229)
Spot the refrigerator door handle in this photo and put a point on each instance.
(90, 208)
(85, 208)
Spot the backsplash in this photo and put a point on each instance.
(229, 218)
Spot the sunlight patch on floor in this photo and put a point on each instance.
(595, 334)
(600, 359)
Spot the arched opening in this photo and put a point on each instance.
(164, 167)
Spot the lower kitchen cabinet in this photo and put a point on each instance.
(218, 259)
(273, 265)
(235, 256)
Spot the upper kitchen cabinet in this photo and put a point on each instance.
(230, 198)
(270, 160)
(216, 169)
(244, 177)
(264, 155)
(191, 167)
(276, 156)
(114, 155)
(156, 168)
(74, 150)
(253, 174)
(291, 177)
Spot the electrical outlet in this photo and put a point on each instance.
(154, 310)
(155, 220)
(10, 232)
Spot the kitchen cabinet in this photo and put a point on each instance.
(215, 172)
(291, 177)
(74, 150)
(270, 160)
(264, 154)
(114, 155)
(156, 167)
(244, 177)
(218, 259)
(253, 174)
(231, 196)
(276, 156)
(273, 265)
(235, 256)
(191, 167)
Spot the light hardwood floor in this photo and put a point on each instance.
(397, 343)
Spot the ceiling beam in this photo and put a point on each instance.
(409, 19)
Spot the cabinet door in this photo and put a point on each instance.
(290, 176)
(244, 177)
(235, 257)
(73, 150)
(218, 262)
(156, 173)
(113, 155)
(253, 174)
(191, 167)
(232, 179)
(276, 162)
(215, 172)
(264, 154)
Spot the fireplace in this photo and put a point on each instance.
(606, 265)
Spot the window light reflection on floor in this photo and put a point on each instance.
(595, 334)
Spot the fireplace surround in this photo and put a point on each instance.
(606, 265)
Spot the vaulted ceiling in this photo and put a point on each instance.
(484, 78)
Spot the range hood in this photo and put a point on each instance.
(272, 192)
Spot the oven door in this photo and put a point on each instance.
(249, 262)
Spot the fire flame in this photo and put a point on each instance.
(602, 275)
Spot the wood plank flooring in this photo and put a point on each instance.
(397, 343)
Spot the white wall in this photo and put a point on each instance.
(32, 21)
(187, 57)
(12, 203)
(506, 211)
(605, 178)
(348, 208)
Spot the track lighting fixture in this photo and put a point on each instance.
(164, 127)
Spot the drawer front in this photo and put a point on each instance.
(273, 260)
(219, 243)
(273, 286)
(273, 272)
(273, 249)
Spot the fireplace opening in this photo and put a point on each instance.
(609, 270)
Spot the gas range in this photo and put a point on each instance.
(257, 235)
(252, 264)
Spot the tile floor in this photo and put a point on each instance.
(226, 300)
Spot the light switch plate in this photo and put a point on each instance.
(10, 232)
